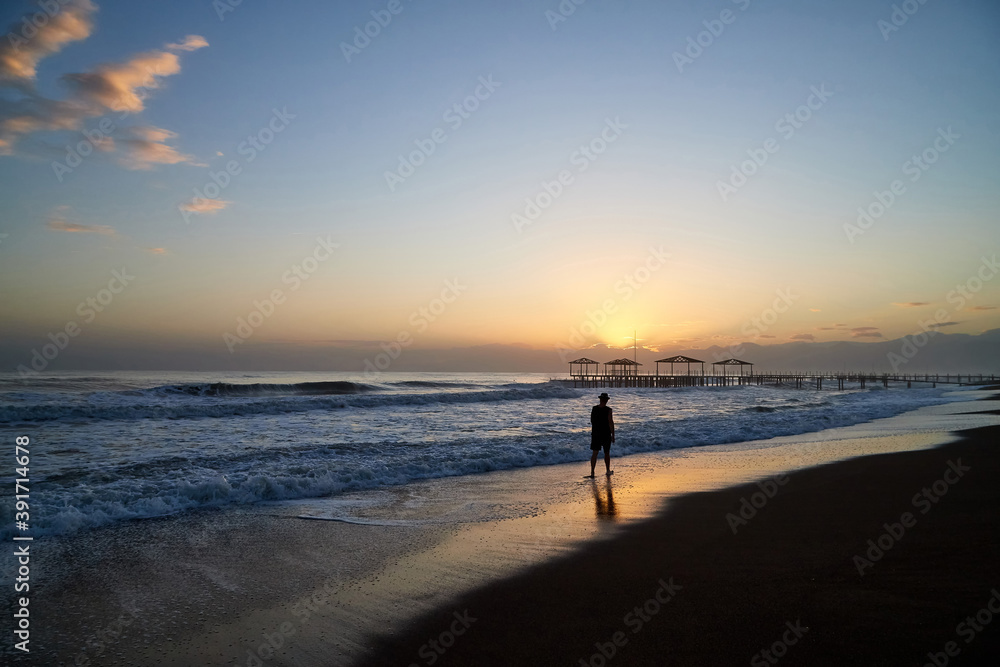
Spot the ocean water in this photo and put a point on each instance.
(110, 447)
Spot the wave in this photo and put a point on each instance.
(429, 384)
(96, 494)
(129, 406)
(263, 389)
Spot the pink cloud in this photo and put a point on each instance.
(145, 147)
(19, 54)
(199, 205)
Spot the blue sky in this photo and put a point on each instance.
(887, 97)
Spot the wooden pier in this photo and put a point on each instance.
(796, 380)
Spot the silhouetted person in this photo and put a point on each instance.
(603, 433)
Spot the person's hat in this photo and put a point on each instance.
(604, 395)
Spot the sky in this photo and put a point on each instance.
(227, 177)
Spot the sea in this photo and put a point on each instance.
(109, 447)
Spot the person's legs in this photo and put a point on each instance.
(607, 458)
(593, 461)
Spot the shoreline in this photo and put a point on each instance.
(797, 578)
(214, 587)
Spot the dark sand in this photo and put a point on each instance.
(792, 563)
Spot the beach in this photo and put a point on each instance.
(886, 559)
(550, 564)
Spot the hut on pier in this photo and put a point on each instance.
(584, 363)
(680, 359)
(620, 367)
(733, 362)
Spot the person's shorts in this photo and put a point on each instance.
(597, 446)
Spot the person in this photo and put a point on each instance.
(603, 433)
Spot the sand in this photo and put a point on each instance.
(847, 563)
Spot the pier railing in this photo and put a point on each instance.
(798, 380)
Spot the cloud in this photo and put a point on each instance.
(983, 308)
(803, 336)
(866, 334)
(145, 147)
(938, 325)
(835, 327)
(864, 329)
(199, 205)
(58, 223)
(815, 310)
(766, 336)
(123, 86)
(190, 43)
(157, 251)
(20, 54)
(110, 87)
(912, 304)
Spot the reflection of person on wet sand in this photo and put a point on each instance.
(603, 433)
(604, 506)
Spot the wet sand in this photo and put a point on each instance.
(798, 578)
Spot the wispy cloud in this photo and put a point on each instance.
(145, 147)
(209, 206)
(59, 222)
(19, 55)
(190, 43)
(866, 334)
(911, 304)
(109, 87)
(803, 336)
(864, 329)
(938, 325)
(983, 308)
(156, 251)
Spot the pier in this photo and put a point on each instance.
(621, 373)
